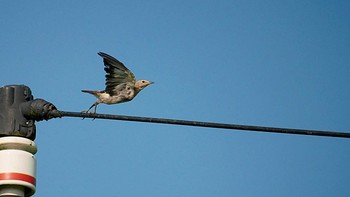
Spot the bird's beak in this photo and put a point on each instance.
(151, 82)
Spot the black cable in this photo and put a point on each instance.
(56, 113)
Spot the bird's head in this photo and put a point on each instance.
(140, 84)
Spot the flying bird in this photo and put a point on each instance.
(121, 84)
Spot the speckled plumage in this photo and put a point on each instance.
(121, 85)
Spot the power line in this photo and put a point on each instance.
(203, 124)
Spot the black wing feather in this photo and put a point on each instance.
(116, 72)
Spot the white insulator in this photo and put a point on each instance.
(17, 167)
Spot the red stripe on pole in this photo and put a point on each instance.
(18, 177)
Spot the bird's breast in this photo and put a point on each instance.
(120, 97)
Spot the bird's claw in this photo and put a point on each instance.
(87, 112)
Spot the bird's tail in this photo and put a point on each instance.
(93, 92)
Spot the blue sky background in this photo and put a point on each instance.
(267, 63)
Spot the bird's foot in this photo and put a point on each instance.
(87, 112)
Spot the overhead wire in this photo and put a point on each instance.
(204, 124)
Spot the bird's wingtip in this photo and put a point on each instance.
(106, 56)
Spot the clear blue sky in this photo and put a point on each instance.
(267, 63)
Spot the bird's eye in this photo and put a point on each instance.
(143, 81)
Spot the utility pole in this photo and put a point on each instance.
(18, 113)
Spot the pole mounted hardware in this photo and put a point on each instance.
(19, 111)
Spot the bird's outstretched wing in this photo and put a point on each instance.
(116, 72)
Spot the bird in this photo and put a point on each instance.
(121, 84)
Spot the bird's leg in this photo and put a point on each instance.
(86, 111)
(94, 112)
(93, 105)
